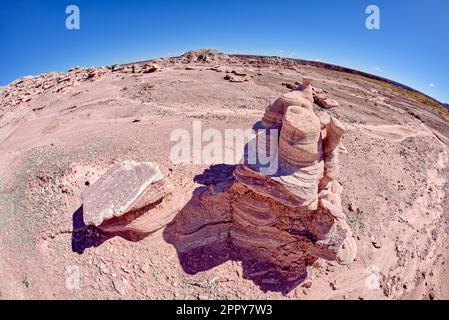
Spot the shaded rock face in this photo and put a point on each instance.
(285, 220)
(119, 200)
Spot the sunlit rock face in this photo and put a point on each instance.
(132, 199)
(125, 187)
(302, 96)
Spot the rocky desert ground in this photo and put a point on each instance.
(61, 132)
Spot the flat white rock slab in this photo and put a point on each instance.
(119, 190)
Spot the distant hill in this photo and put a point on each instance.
(355, 72)
(446, 105)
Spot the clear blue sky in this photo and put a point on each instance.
(411, 47)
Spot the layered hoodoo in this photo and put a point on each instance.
(295, 182)
(120, 200)
(304, 187)
(286, 218)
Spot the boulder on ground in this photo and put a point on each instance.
(126, 187)
(329, 103)
(235, 78)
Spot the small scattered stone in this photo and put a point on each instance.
(120, 286)
(333, 286)
(377, 245)
(350, 208)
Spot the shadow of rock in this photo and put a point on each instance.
(83, 236)
(270, 276)
(205, 257)
(215, 174)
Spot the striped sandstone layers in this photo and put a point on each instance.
(301, 97)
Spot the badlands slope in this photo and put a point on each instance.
(59, 132)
